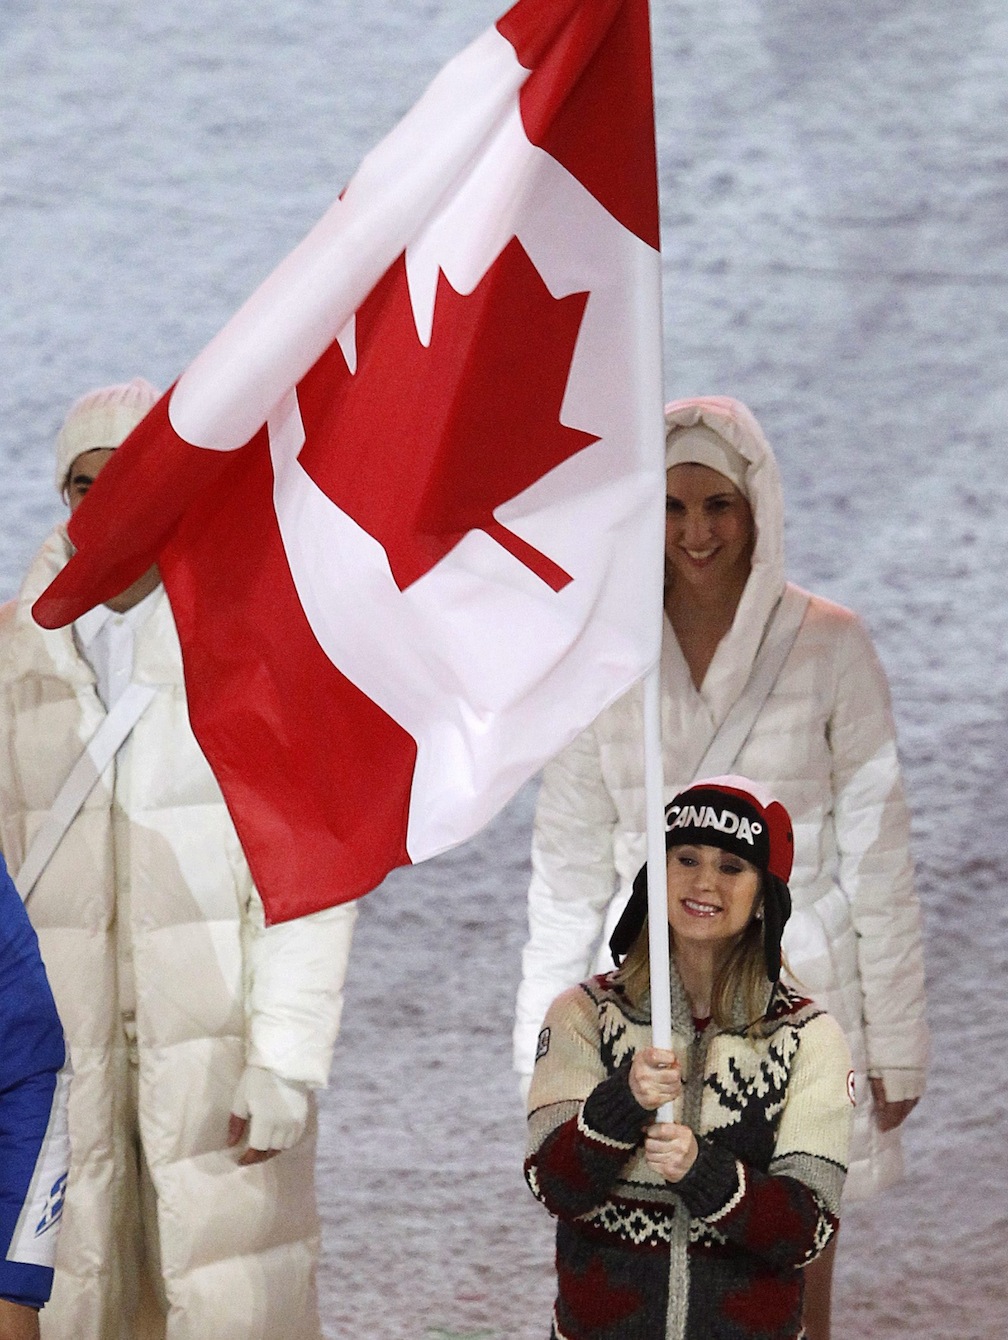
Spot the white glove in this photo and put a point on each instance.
(276, 1109)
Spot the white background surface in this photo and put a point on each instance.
(835, 196)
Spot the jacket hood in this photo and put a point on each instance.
(737, 424)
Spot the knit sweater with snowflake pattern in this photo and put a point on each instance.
(718, 1255)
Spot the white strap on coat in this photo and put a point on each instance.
(99, 752)
(782, 630)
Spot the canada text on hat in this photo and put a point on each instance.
(705, 816)
(737, 815)
(101, 420)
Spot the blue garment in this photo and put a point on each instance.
(34, 1081)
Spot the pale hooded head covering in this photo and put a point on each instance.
(723, 433)
(733, 443)
(700, 445)
(101, 420)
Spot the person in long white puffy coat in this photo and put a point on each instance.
(824, 741)
(197, 1032)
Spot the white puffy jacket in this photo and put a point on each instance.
(148, 895)
(825, 743)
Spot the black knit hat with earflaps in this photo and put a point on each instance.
(725, 812)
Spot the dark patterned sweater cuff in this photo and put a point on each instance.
(613, 1111)
(711, 1183)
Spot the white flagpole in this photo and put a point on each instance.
(657, 881)
(654, 770)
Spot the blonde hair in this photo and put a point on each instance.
(741, 978)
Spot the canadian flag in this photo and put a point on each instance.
(407, 504)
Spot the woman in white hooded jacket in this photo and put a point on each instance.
(196, 1032)
(823, 741)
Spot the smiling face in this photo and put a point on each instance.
(709, 530)
(712, 895)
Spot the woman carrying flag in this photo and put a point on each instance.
(698, 1222)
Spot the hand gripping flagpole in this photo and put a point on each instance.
(657, 874)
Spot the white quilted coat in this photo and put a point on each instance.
(825, 743)
(213, 988)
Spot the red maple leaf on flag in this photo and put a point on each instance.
(461, 445)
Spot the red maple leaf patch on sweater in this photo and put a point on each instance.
(421, 444)
(594, 1299)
